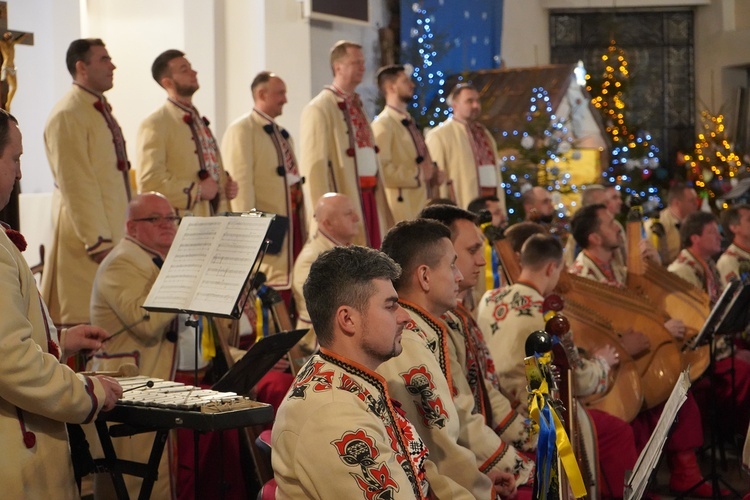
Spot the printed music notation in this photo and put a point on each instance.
(208, 264)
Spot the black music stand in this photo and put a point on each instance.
(729, 316)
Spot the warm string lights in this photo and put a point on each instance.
(714, 163)
(634, 163)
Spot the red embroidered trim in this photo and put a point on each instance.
(17, 238)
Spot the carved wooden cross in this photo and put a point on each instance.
(10, 213)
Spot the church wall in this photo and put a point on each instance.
(226, 42)
(722, 36)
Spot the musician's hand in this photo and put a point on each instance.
(209, 188)
(440, 177)
(231, 189)
(648, 251)
(608, 354)
(505, 483)
(86, 338)
(98, 257)
(634, 342)
(428, 169)
(281, 365)
(112, 391)
(676, 327)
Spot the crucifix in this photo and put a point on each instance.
(8, 85)
(8, 41)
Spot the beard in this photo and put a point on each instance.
(185, 90)
(379, 354)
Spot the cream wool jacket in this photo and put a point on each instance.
(325, 164)
(450, 148)
(88, 203)
(404, 189)
(168, 162)
(37, 391)
(252, 160)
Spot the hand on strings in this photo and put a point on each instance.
(676, 327)
(112, 391)
(608, 354)
(86, 338)
(504, 482)
(634, 342)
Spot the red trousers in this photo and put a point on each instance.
(733, 409)
(617, 453)
(687, 430)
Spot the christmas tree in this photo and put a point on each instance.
(634, 162)
(429, 107)
(535, 154)
(714, 163)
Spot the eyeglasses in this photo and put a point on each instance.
(158, 219)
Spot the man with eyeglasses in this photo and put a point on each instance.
(158, 343)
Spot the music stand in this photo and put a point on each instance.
(729, 315)
(258, 360)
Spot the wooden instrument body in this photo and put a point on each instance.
(624, 396)
(660, 366)
(671, 295)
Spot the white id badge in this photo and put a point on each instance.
(367, 162)
(487, 176)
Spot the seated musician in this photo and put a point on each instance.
(337, 225)
(160, 345)
(469, 353)
(682, 200)
(596, 194)
(701, 240)
(428, 379)
(599, 235)
(735, 261)
(509, 314)
(338, 433)
(39, 393)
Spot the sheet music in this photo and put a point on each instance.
(635, 486)
(208, 264)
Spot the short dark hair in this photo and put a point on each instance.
(79, 50)
(448, 215)
(412, 243)
(693, 225)
(456, 91)
(586, 222)
(676, 192)
(5, 119)
(539, 249)
(388, 74)
(731, 217)
(480, 203)
(260, 79)
(343, 276)
(528, 198)
(518, 233)
(159, 67)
